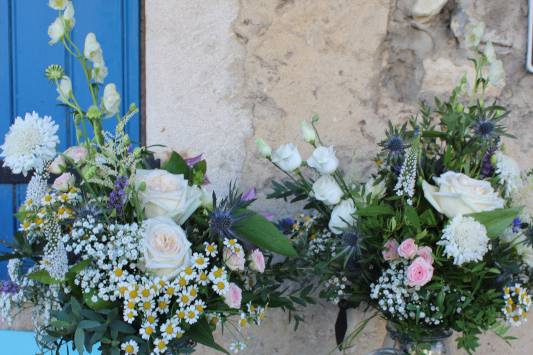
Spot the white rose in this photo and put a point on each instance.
(264, 149)
(458, 194)
(308, 133)
(64, 89)
(166, 250)
(111, 100)
(375, 190)
(342, 216)
(167, 195)
(287, 157)
(327, 190)
(92, 50)
(56, 30)
(323, 160)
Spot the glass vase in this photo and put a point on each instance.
(435, 344)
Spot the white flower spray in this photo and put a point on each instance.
(405, 186)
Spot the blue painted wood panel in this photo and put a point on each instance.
(25, 54)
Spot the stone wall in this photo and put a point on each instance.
(220, 73)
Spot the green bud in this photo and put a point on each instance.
(88, 172)
(493, 160)
(94, 113)
(54, 72)
(137, 152)
(133, 107)
(142, 186)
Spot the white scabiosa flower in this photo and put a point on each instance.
(111, 100)
(508, 171)
(30, 143)
(465, 240)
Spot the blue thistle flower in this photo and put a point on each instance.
(285, 225)
(227, 213)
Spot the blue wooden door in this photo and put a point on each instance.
(25, 53)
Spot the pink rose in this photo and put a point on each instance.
(76, 153)
(419, 272)
(426, 254)
(58, 165)
(257, 261)
(233, 296)
(407, 249)
(64, 182)
(234, 260)
(391, 250)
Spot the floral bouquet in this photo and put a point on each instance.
(118, 247)
(439, 239)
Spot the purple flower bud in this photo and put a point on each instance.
(250, 195)
(194, 160)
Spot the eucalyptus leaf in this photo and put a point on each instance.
(497, 221)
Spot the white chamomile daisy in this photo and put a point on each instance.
(189, 273)
(211, 249)
(151, 318)
(217, 273)
(199, 305)
(147, 305)
(231, 243)
(181, 314)
(200, 262)
(184, 299)
(202, 278)
(220, 286)
(129, 315)
(191, 315)
(243, 321)
(130, 347)
(162, 304)
(160, 345)
(30, 143)
(147, 330)
(169, 329)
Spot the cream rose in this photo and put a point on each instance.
(165, 247)
(167, 194)
(458, 194)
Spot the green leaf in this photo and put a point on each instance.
(79, 340)
(201, 333)
(89, 324)
(43, 277)
(378, 210)
(263, 233)
(411, 217)
(76, 269)
(98, 305)
(177, 165)
(497, 221)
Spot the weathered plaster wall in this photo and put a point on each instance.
(221, 72)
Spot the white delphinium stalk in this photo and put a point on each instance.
(93, 52)
(405, 186)
(30, 143)
(508, 172)
(465, 240)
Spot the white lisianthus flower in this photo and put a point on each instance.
(508, 172)
(496, 74)
(166, 250)
(58, 4)
(323, 160)
(30, 143)
(287, 157)
(465, 240)
(64, 89)
(111, 100)
(375, 190)
(473, 33)
(489, 52)
(458, 194)
(342, 216)
(167, 194)
(308, 133)
(327, 190)
(263, 148)
(56, 31)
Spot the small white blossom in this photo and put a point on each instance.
(465, 240)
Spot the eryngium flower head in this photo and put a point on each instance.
(30, 143)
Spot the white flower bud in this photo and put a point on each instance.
(56, 31)
(111, 100)
(308, 132)
(263, 148)
(64, 89)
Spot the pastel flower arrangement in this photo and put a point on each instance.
(119, 249)
(438, 239)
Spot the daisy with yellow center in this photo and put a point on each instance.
(220, 286)
(118, 272)
(130, 347)
(211, 249)
(202, 278)
(184, 299)
(169, 329)
(147, 305)
(162, 304)
(191, 315)
(200, 261)
(151, 318)
(180, 314)
(146, 331)
(243, 322)
(160, 346)
(199, 305)
(129, 315)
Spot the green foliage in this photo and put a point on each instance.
(497, 221)
(261, 232)
(202, 333)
